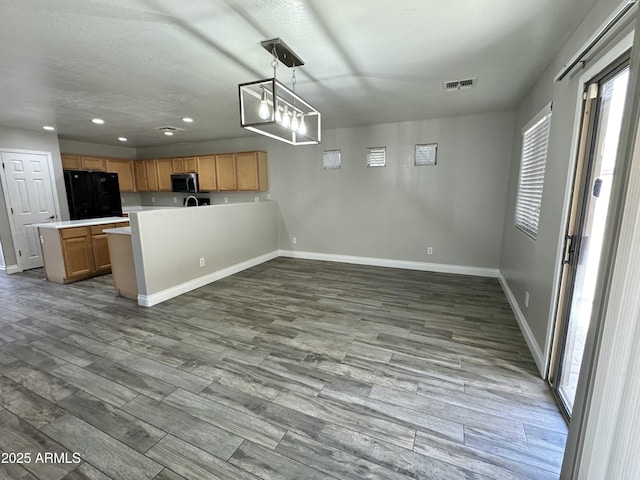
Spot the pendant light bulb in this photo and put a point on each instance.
(286, 120)
(264, 112)
(294, 122)
(302, 128)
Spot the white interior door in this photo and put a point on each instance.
(30, 199)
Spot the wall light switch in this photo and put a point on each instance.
(202, 261)
(294, 240)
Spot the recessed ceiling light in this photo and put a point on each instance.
(122, 139)
(187, 120)
(168, 133)
(97, 121)
(49, 128)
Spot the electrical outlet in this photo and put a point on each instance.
(153, 199)
(122, 200)
(256, 199)
(175, 199)
(429, 250)
(526, 299)
(226, 199)
(294, 240)
(268, 196)
(202, 261)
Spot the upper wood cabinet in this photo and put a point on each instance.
(177, 165)
(251, 171)
(226, 172)
(244, 171)
(164, 167)
(191, 164)
(70, 162)
(97, 164)
(152, 175)
(124, 169)
(207, 177)
(140, 174)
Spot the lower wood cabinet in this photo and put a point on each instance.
(75, 253)
(100, 248)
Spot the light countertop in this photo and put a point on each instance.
(119, 230)
(88, 222)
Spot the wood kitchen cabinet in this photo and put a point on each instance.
(75, 253)
(251, 171)
(140, 175)
(164, 167)
(70, 162)
(124, 169)
(226, 172)
(152, 175)
(100, 249)
(96, 164)
(207, 177)
(190, 164)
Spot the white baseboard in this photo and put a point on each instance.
(9, 269)
(390, 263)
(534, 348)
(155, 298)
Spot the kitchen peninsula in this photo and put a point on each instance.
(77, 249)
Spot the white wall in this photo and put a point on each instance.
(169, 243)
(395, 212)
(37, 141)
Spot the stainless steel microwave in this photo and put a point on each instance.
(184, 182)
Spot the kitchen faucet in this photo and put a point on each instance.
(189, 198)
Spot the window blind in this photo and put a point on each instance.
(376, 157)
(331, 159)
(533, 161)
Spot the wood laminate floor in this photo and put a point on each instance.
(290, 370)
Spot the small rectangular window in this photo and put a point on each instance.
(331, 159)
(376, 157)
(426, 154)
(535, 142)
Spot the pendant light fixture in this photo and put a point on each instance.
(270, 108)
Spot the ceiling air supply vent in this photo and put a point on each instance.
(455, 85)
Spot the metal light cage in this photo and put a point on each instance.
(277, 97)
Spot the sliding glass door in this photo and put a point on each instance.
(602, 120)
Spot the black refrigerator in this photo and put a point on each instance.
(92, 194)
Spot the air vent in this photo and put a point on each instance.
(167, 129)
(455, 85)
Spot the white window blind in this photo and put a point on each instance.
(376, 157)
(426, 154)
(331, 159)
(535, 141)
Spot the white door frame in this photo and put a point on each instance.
(5, 188)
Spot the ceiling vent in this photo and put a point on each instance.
(455, 85)
(168, 129)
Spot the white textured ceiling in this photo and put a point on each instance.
(144, 64)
